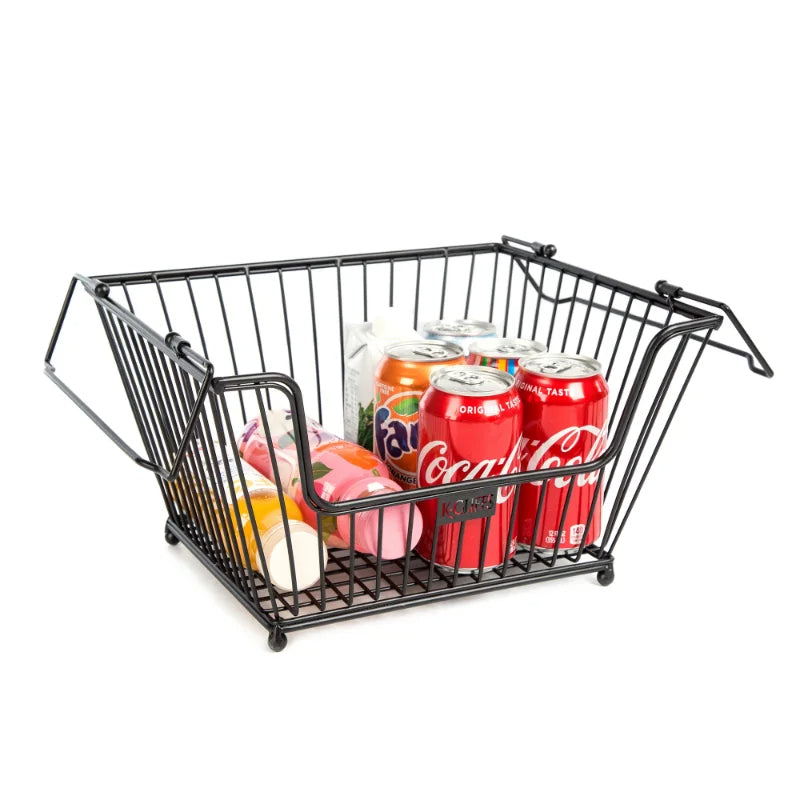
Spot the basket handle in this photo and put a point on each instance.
(539, 249)
(755, 359)
(173, 346)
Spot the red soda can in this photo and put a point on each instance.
(565, 422)
(470, 424)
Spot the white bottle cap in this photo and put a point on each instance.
(305, 549)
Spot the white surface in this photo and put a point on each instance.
(646, 144)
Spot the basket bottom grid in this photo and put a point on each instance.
(368, 587)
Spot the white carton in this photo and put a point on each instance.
(363, 349)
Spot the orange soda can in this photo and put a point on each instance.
(401, 378)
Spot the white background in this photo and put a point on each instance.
(647, 144)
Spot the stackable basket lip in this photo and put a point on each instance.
(255, 267)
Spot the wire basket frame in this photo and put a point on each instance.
(271, 335)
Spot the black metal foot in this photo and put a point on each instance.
(171, 537)
(606, 576)
(277, 640)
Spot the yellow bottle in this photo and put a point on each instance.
(266, 505)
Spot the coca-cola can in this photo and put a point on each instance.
(470, 425)
(565, 422)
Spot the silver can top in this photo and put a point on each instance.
(423, 350)
(459, 327)
(506, 348)
(471, 381)
(561, 365)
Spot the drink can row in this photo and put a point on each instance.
(441, 418)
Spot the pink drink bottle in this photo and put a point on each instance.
(342, 471)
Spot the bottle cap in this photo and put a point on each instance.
(305, 549)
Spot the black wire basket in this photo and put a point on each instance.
(271, 335)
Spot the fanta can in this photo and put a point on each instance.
(401, 378)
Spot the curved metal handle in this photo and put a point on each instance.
(173, 346)
(752, 354)
(539, 249)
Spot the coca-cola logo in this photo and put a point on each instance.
(567, 448)
(436, 467)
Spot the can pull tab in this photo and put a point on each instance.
(430, 351)
(467, 378)
(555, 367)
(453, 327)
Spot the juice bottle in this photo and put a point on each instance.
(342, 471)
(269, 524)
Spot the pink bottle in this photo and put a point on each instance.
(342, 471)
